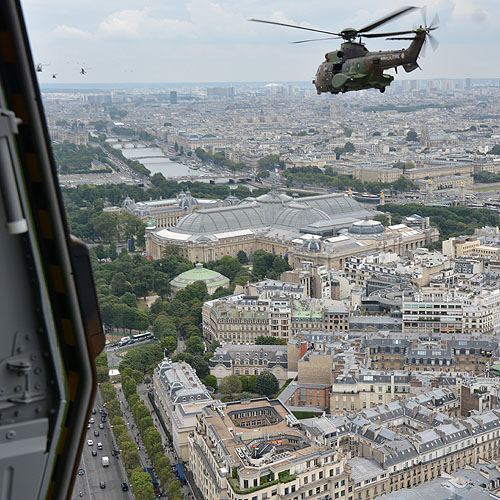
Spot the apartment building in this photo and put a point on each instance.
(368, 389)
(446, 354)
(179, 396)
(256, 450)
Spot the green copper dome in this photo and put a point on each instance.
(212, 279)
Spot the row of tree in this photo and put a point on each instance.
(140, 481)
(149, 434)
(315, 176)
(451, 221)
(265, 384)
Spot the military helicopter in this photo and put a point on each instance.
(83, 71)
(354, 67)
(39, 67)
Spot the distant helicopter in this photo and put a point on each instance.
(40, 66)
(83, 71)
(54, 75)
(353, 67)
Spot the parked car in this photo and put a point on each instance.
(102, 485)
(90, 442)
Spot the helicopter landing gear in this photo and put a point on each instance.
(343, 90)
(382, 89)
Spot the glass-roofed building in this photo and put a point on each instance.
(282, 225)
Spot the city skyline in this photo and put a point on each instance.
(204, 40)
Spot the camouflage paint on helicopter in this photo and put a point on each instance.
(353, 67)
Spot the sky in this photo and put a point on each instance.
(212, 40)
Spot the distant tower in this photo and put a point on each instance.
(382, 198)
(462, 192)
(173, 97)
(468, 83)
(425, 138)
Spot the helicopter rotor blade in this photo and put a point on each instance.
(293, 26)
(318, 39)
(386, 19)
(423, 11)
(434, 42)
(401, 38)
(391, 33)
(435, 21)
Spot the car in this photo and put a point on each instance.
(90, 442)
(102, 485)
(94, 411)
(101, 426)
(96, 433)
(124, 487)
(88, 426)
(94, 453)
(91, 420)
(81, 472)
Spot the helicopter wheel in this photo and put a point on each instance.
(382, 90)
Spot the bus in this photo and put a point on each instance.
(142, 336)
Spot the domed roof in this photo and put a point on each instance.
(367, 227)
(335, 204)
(297, 215)
(273, 197)
(213, 279)
(219, 220)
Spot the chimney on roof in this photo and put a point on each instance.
(303, 348)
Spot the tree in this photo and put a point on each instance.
(194, 345)
(118, 284)
(130, 299)
(102, 374)
(268, 340)
(128, 386)
(105, 227)
(242, 257)
(267, 384)
(349, 147)
(382, 218)
(176, 147)
(230, 385)
(244, 383)
(107, 391)
(210, 381)
(169, 344)
(162, 285)
(411, 136)
(252, 379)
(163, 327)
(142, 485)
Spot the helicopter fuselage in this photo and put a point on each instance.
(353, 67)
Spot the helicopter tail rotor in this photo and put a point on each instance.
(428, 28)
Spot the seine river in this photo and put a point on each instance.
(155, 161)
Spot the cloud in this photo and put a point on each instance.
(70, 32)
(143, 23)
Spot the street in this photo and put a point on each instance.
(94, 472)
